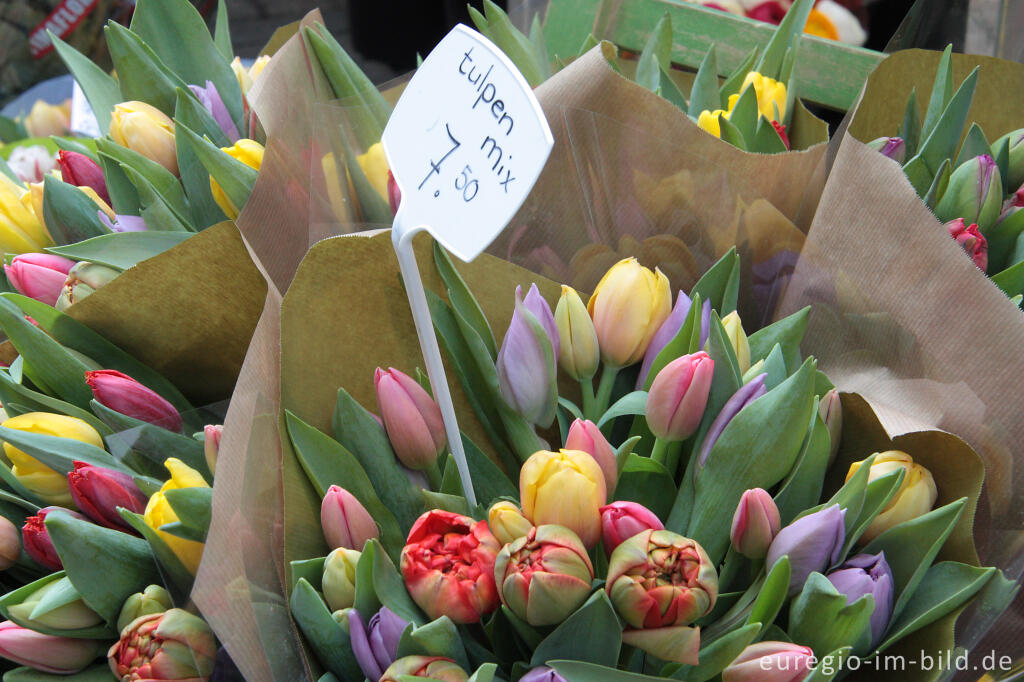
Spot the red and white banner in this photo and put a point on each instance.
(62, 21)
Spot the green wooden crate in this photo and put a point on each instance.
(828, 73)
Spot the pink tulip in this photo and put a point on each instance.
(412, 419)
(755, 523)
(123, 394)
(770, 662)
(622, 520)
(98, 492)
(678, 396)
(345, 521)
(173, 645)
(211, 444)
(584, 435)
(971, 240)
(81, 171)
(39, 275)
(47, 653)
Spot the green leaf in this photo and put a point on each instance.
(437, 638)
(153, 442)
(820, 618)
(159, 216)
(12, 131)
(222, 32)
(519, 48)
(942, 92)
(95, 673)
(99, 87)
(631, 403)
(668, 89)
(938, 186)
(540, 47)
(715, 656)
(580, 671)
(787, 332)
(731, 134)
(771, 596)
(174, 576)
(1001, 240)
(485, 673)
(389, 586)
(975, 144)
(745, 115)
(141, 74)
(40, 402)
(940, 144)
(790, 28)
(489, 481)
(233, 176)
(326, 637)
(462, 299)
(60, 594)
(121, 250)
(194, 178)
(681, 344)
(70, 144)
(704, 95)
(193, 507)
(124, 198)
(910, 129)
(829, 666)
(1001, 154)
(918, 174)
(60, 453)
(69, 214)
(590, 634)
(773, 366)
(647, 482)
(162, 180)
(715, 283)
(876, 496)
(732, 83)
(766, 139)
(6, 170)
(1011, 280)
(656, 55)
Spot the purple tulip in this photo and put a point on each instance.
(666, 332)
(525, 376)
(211, 99)
(747, 394)
(705, 323)
(375, 646)
(893, 147)
(867, 574)
(542, 674)
(536, 304)
(812, 543)
(123, 223)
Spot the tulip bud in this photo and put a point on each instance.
(47, 653)
(566, 488)
(82, 281)
(374, 165)
(121, 393)
(160, 513)
(666, 332)
(622, 520)
(39, 275)
(526, 363)
(658, 578)
(970, 240)
(153, 599)
(248, 152)
(375, 644)
(915, 497)
(867, 574)
(70, 615)
(40, 479)
(20, 230)
(211, 444)
(579, 354)
(36, 538)
(98, 492)
(755, 523)
(542, 674)
(45, 119)
(747, 393)
(1015, 176)
(812, 543)
(737, 339)
(545, 575)
(146, 130)
(436, 668)
(628, 306)
(81, 171)
(771, 95)
(711, 121)
(339, 579)
(345, 521)
(211, 100)
(411, 418)
(679, 395)
(507, 522)
(10, 543)
(241, 75)
(173, 645)
(892, 147)
(974, 193)
(448, 566)
(584, 435)
(830, 408)
(771, 662)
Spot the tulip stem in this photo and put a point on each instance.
(604, 393)
(659, 452)
(587, 389)
(433, 473)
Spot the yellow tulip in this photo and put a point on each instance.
(818, 24)
(579, 353)
(709, 121)
(241, 75)
(566, 488)
(40, 479)
(507, 522)
(257, 67)
(375, 168)
(248, 152)
(627, 307)
(771, 94)
(33, 201)
(146, 130)
(20, 230)
(916, 495)
(45, 119)
(159, 512)
(738, 340)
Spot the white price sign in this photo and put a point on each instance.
(466, 142)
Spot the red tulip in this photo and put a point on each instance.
(123, 394)
(970, 240)
(36, 538)
(98, 492)
(81, 171)
(173, 645)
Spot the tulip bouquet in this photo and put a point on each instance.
(685, 525)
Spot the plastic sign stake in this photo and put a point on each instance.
(466, 142)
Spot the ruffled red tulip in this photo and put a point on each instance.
(971, 240)
(98, 492)
(36, 539)
(173, 645)
(123, 394)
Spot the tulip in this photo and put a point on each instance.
(771, 96)
(566, 488)
(375, 645)
(771, 662)
(544, 576)
(160, 513)
(10, 543)
(622, 520)
(507, 522)
(211, 444)
(258, 65)
(812, 543)
(121, 393)
(375, 167)
(45, 119)
(339, 579)
(39, 275)
(666, 332)
(974, 193)
(892, 147)
(970, 240)
(628, 307)
(36, 538)
(47, 653)
(394, 194)
(153, 599)
(658, 578)
(345, 521)
(542, 674)
(31, 162)
(122, 223)
(448, 566)
(79, 170)
(710, 121)
(411, 418)
(40, 479)
(173, 645)
(830, 408)
(737, 339)
(211, 100)
(83, 280)
(98, 492)
(70, 615)
(20, 230)
(584, 435)
(540, 309)
(747, 393)
(246, 77)
(867, 574)
(1015, 176)
(579, 353)
(679, 395)
(526, 363)
(755, 523)
(146, 130)
(436, 668)
(915, 497)
(248, 152)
